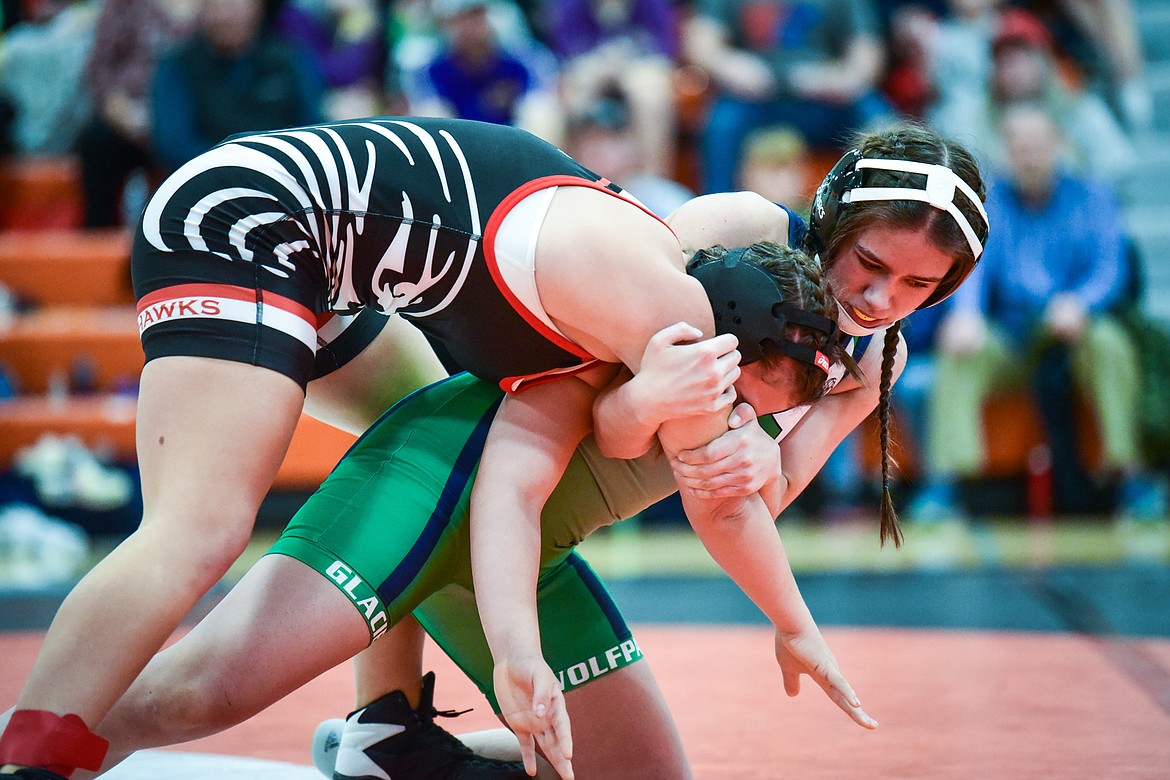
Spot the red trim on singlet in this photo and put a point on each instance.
(516, 384)
(489, 251)
(249, 294)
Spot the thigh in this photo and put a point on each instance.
(1105, 349)
(388, 527)
(199, 303)
(211, 435)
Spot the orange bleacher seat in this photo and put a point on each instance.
(46, 343)
(40, 193)
(1011, 428)
(90, 267)
(104, 423)
(314, 451)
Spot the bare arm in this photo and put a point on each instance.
(744, 460)
(729, 219)
(741, 537)
(527, 449)
(734, 463)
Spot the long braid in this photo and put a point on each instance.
(889, 517)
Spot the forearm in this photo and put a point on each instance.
(620, 426)
(775, 495)
(742, 539)
(527, 448)
(505, 563)
(739, 533)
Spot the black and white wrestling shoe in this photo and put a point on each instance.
(389, 740)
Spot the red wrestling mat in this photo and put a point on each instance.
(951, 705)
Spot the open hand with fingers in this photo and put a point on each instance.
(807, 653)
(533, 705)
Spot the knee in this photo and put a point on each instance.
(155, 713)
(204, 544)
(200, 707)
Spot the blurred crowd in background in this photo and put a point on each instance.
(671, 99)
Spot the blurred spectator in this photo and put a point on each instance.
(1102, 36)
(1038, 311)
(347, 41)
(603, 140)
(623, 45)
(475, 76)
(416, 37)
(776, 165)
(233, 76)
(131, 36)
(984, 58)
(953, 51)
(1025, 69)
(812, 64)
(905, 82)
(42, 77)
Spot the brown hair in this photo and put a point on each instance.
(803, 285)
(909, 141)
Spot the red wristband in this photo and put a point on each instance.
(59, 743)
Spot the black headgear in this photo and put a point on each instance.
(843, 186)
(748, 303)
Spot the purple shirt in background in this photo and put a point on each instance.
(574, 27)
(341, 63)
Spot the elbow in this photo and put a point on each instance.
(723, 515)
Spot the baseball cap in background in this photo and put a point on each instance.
(1021, 28)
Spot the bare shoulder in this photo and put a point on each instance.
(730, 219)
(610, 276)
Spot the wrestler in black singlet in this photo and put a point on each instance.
(247, 250)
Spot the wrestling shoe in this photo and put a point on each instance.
(388, 740)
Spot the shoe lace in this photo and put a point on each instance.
(430, 716)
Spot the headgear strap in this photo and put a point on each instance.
(747, 302)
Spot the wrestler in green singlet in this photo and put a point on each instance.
(390, 528)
